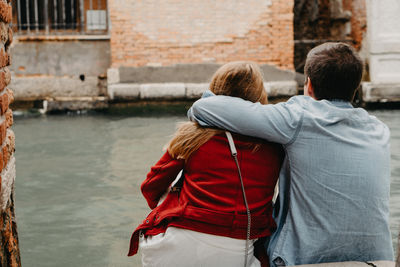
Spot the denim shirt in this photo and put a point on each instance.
(335, 180)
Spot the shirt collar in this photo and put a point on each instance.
(340, 103)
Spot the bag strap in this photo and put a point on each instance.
(177, 184)
(234, 155)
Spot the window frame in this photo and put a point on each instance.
(44, 21)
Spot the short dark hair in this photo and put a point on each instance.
(335, 71)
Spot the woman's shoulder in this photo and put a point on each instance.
(243, 139)
(245, 143)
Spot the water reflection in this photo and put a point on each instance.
(77, 187)
(392, 119)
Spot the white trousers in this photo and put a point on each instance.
(184, 248)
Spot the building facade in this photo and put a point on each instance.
(61, 50)
(69, 51)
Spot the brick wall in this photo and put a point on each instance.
(167, 32)
(316, 22)
(9, 250)
(358, 20)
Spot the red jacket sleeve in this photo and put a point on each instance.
(161, 175)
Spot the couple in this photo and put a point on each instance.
(332, 161)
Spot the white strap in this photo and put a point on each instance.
(231, 143)
(234, 155)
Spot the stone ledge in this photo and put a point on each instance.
(40, 87)
(129, 91)
(124, 91)
(162, 91)
(187, 73)
(195, 90)
(73, 103)
(113, 76)
(281, 88)
(380, 92)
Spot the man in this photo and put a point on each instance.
(334, 183)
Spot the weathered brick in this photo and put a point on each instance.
(9, 38)
(260, 31)
(6, 156)
(315, 21)
(1, 164)
(2, 133)
(5, 12)
(5, 78)
(10, 143)
(8, 59)
(3, 32)
(3, 82)
(9, 253)
(9, 250)
(9, 118)
(3, 103)
(7, 75)
(358, 20)
(4, 58)
(10, 94)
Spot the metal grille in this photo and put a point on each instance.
(52, 17)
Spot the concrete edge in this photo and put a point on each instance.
(129, 91)
(162, 91)
(380, 92)
(40, 87)
(74, 103)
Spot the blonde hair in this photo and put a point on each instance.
(239, 79)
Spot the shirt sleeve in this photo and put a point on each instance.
(160, 177)
(278, 123)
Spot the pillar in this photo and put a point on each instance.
(9, 250)
(383, 22)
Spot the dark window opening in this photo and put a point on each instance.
(60, 17)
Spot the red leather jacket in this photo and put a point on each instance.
(211, 199)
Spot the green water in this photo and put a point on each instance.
(77, 186)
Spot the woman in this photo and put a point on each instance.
(205, 224)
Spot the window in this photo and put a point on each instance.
(54, 17)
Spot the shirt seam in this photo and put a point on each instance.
(293, 139)
(278, 249)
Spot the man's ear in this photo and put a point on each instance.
(309, 89)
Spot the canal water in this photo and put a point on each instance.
(78, 178)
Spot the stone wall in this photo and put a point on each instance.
(169, 49)
(168, 32)
(358, 21)
(9, 250)
(383, 52)
(319, 21)
(59, 66)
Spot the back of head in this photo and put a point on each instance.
(240, 79)
(335, 71)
